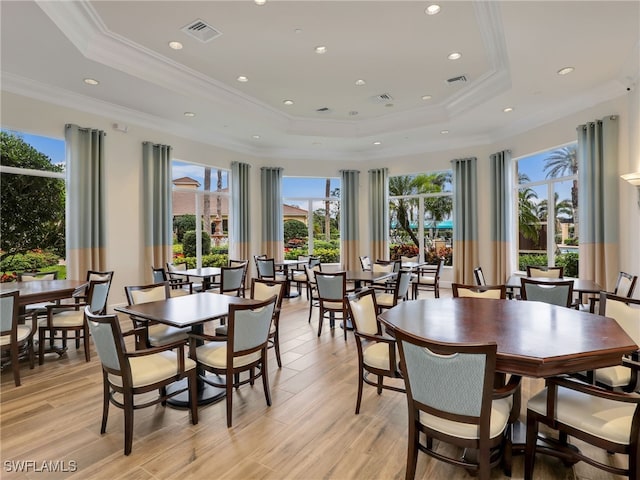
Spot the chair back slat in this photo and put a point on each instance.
(479, 291)
(37, 276)
(264, 290)
(9, 313)
(147, 293)
(97, 295)
(625, 311)
(249, 327)
(453, 382)
(364, 312)
(231, 278)
(625, 285)
(555, 293)
(535, 271)
(479, 276)
(106, 335)
(403, 284)
(266, 267)
(331, 286)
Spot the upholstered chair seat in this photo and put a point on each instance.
(600, 417)
(500, 411)
(23, 333)
(214, 354)
(377, 356)
(150, 369)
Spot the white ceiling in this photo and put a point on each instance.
(511, 52)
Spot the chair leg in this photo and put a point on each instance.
(321, 316)
(412, 451)
(380, 383)
(128, 422)
(41, 332)
(229, 388)
(105, 403)
(265, 377)
(276, 347)
(87, 351)
(360, 384)
(15, 364)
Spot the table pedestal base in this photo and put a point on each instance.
(207, 394)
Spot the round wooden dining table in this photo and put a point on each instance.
(534, 339)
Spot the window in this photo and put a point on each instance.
(311, 216)
(202, 193)
(420, 209)
(548, 209)
(32, 204)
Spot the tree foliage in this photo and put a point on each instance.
(294, 229)
(32, 209)
(189, 243)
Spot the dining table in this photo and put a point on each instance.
(534, 339)
(207, 274)
(191, 311)
(361, 277)
(39, 291)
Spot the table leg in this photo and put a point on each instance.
(287, 284)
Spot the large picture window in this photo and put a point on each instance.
(420, 210)
(311, 216)
(32, 204)
(548, 230)
(200, 215)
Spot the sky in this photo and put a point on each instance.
(52, 147)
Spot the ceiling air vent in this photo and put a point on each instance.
(323, 110)
(459, 79)
(382, 98)
(201, 31)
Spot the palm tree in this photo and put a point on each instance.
(401, 208)
(528, 220)
(562, 162)
(561, 207)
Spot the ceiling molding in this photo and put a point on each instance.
(82, 25)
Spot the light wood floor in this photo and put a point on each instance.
(310, 431)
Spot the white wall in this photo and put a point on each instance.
(124, 154)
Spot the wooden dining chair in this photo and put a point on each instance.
(243, 349)
(478, 291)
(231, 279)
(365, 263)
(332, 298)
(16, 337)
(179, 286)
(157, 334)
(63, 320)
(479, 276)
(399, 293)
(245, 264)
(555, 293)
(625, 311)
(537, 271)
(468, 412)
(428, 278)
(625, 286)
(127, 374)
(262, 289)
(81, 295)
(267, 269)
(598, 417)
(376, 351)
(37, 309)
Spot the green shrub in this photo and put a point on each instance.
(189, 243)
(533, 259)
(294, 229)
(34, 260)
(327, 255)
(403, 249)
(570, 263)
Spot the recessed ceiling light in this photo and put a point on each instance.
(175, 45)
(288, 102)
(454, 56)
(189, 114)
(432, 9)
(565, 70)
(377, 143)
(298, 30)
(444, 132)
(243, 79)
(91, 81)
(360, 82)
(320, 49)
(507, 109)
(255, 137)
(260, 2)
(426, 97)
(353, 113)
